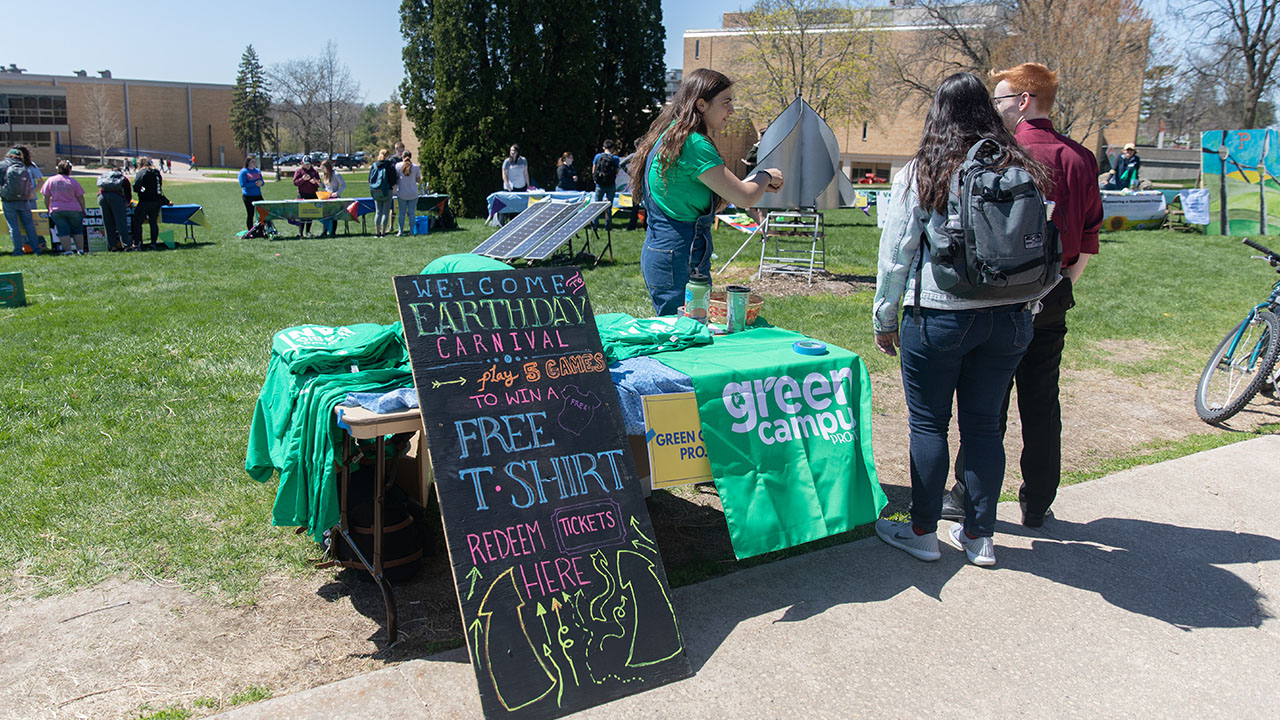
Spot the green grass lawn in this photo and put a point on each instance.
(131, 377)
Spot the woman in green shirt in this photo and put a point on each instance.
(684, 179)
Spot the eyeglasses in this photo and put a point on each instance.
(1006, 97)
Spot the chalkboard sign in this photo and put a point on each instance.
(564, 598)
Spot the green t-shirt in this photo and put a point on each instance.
(678, 192)
(463, 262)
(623, 336)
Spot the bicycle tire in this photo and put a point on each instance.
(1261, 371)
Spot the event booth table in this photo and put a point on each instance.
(1125, 210)
(514, 203)
(188, 216)
(297, 212)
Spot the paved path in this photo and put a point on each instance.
(1153, 593)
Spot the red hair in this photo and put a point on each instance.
(1031, 78)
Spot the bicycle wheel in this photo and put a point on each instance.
(1230, 381)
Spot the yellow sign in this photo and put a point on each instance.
(310, 211)
(673, 435)
(41, 220)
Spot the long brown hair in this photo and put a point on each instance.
(962, 114)
(683, 117)
(406, 167)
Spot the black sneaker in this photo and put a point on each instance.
(953, 504)
(1034, 518)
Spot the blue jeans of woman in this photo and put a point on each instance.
(673, 249)
(381, 210)
(406, 209)
(115, 220)
(967, 356)
(22, 227)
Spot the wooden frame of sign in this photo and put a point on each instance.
(563, 594)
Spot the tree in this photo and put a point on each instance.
(817, 49)
(103, 129)
(1097, 47)
(378, 126)
(316, 98)
(1244, 42)
(251, 104)
(552, 77)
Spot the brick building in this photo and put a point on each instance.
(169, 119)
(882, 145)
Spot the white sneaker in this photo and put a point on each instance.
(981, 551)
(901, 536)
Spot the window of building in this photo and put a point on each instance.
(33, 110)
(864, 132)
(30, 139)
(697, 48)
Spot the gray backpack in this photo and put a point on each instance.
(15, 181)
(997, 243)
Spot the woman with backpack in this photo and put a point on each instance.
(684, 180)
(408, 181)
(36, 176)
(382, 178)
(114, 196)
(150, 189)
(954, 347)
(335, 186)
(16, 192)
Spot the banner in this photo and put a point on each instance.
(1124, 210)
(673, 435)
(788, 436)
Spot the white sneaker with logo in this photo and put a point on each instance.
(981, 551)
(900, 535)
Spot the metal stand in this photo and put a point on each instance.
(374, 566)
(798, 243)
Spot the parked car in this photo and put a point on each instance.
(358, 156)
(344, 160)
(318, 157)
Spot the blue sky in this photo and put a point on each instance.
(202, 42)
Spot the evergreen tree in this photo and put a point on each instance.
(482, 75)
(251, 104)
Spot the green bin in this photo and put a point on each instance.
(11, 292)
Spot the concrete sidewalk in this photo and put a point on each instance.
(1153, 593)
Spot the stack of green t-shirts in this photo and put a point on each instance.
(312, 369)
(624, 336)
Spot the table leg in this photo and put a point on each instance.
(379, 491)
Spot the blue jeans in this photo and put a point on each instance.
(968, 356)
(600, 194)
(22, 228)
(114, 220)
(673, 250)
(406, 209)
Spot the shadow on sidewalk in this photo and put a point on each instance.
(1166, 572)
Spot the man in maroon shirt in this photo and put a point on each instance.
(1023, 97)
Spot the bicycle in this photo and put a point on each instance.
(1245, 360)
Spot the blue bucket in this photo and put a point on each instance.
(421, 225)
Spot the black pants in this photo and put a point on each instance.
(146, 211)
(304, 226)
(1038, 406)
(249, 200)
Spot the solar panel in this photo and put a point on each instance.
(530, 228)
(528, 215)
(536, 236)
(589, 212)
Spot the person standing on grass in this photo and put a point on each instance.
(684, 179)
(250, 188)
(149, 186)
(36, 176)
(604, 173)
(1024, 97)
(408, 183)
(307, 180)
(566, 176)
(335, 186)
(515, 171)
(114, 196)
(15, 195)
(64, 198)
(382, 182)
(959, 350)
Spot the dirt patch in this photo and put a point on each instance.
(107, 651)
(824, 283)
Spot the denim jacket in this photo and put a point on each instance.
(899, 246)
